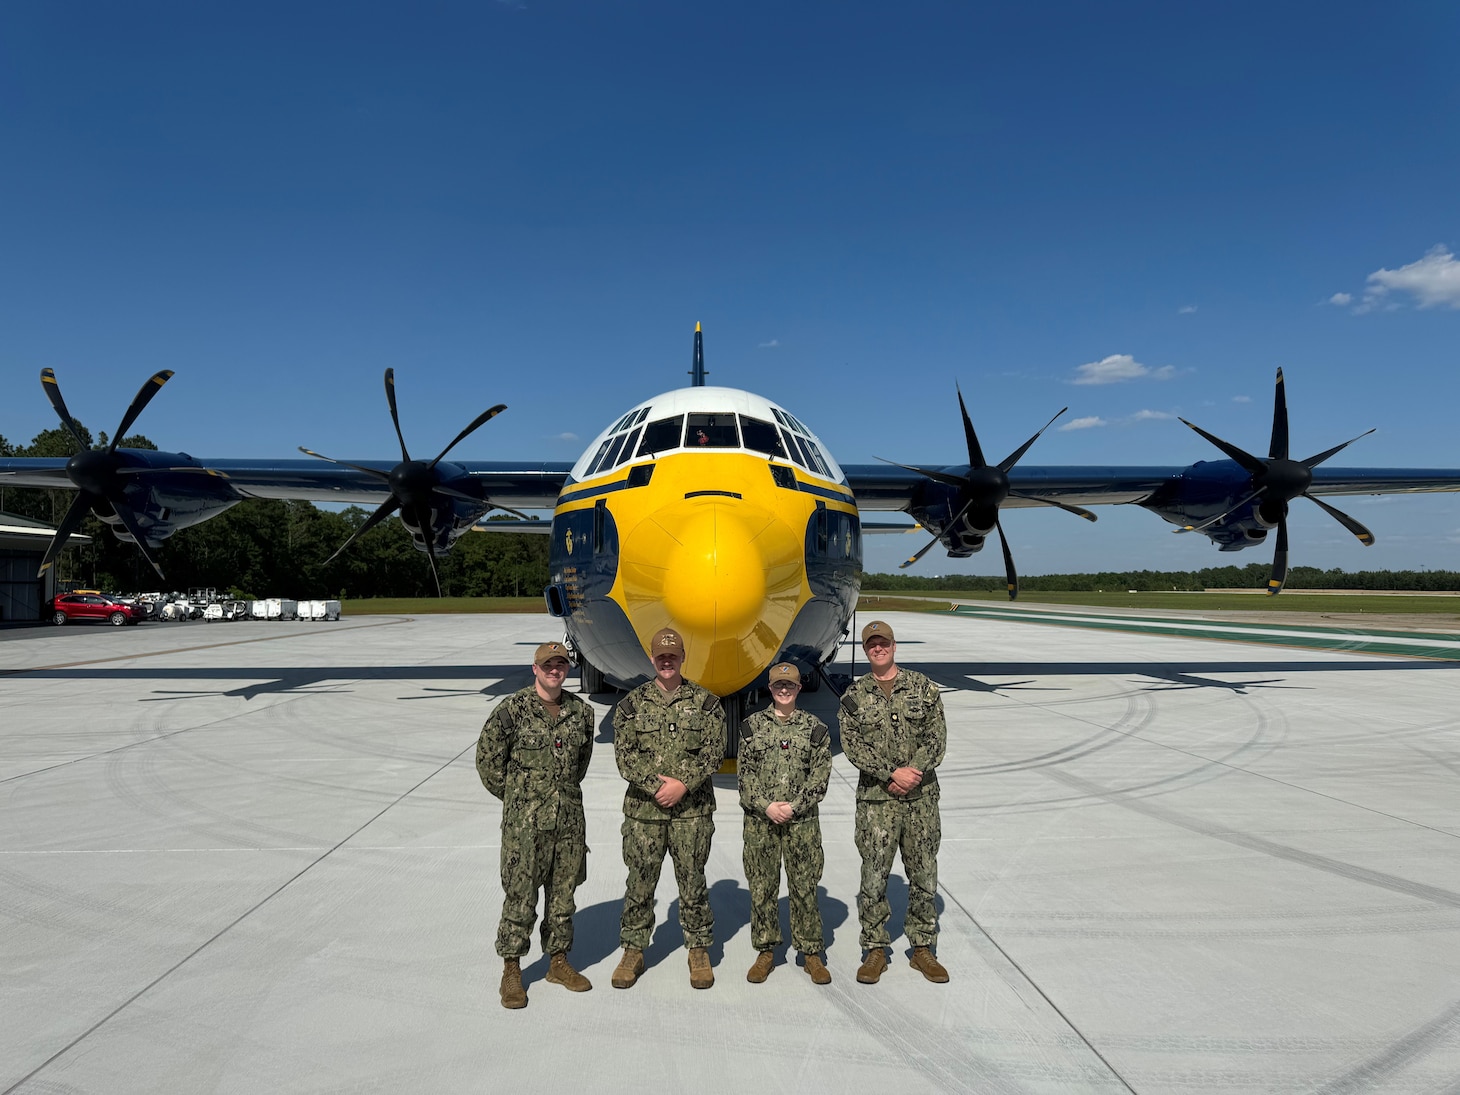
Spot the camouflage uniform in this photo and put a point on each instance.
(880, 734)
(535, 765)
(682, 735)
(784, 761)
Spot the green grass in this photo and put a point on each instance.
(1388, 605)
(418, 606)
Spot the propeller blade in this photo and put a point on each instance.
(1247, 460)
(1010, 575)
(128, 517)
(389, 506)
(923, 551)
(1313, 461)
(484, 417)
(956, 518)
(975, 450)
(52, 388)
(80, 507)
(144, 396)
(1279, 576)
(1013, 458)
(395, 417)
(1221, 516)
(1278, 449)
(383, 476)
(431, 557)
(936, 476)
(1076, 510)
(1364, 535)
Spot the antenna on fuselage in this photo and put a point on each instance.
(697, 371)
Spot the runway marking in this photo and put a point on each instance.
(382, 622)
(1405, 644)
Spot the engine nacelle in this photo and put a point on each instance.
(1209, 488)
(934, 505)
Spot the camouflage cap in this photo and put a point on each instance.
(666, 641)
(877, 629)
(785, 672)
(549, 650)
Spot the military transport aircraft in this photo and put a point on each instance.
(710, 509)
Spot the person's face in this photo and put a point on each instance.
(880, 652)
(666, 665)
(551, 673)
(785, 692)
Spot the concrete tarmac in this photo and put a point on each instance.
(256, 857)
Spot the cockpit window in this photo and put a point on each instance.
(661, 436)
(762, 437)
(813, 456)
(713, 431)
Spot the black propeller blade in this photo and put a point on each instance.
(1277, 481)
(98, 474)
(984, 489)
(414, 483)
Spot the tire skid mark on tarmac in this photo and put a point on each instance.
(1251, 842)
(1398, 1055)
(295, 877)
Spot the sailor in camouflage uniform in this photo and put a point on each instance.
(533, 754)
(668, 739)
(785, 762)
(892, 729)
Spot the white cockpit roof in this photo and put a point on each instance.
(708, 419)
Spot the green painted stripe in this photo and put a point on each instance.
(1421, 645)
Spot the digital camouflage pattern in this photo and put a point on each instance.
(880, 734)
(682, 735)
(784, 761)
(535, 764)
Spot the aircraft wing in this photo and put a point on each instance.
(888, 487)
(521, 485)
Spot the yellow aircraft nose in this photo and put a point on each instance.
(729, 574)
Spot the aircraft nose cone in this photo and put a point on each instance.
(715, 578)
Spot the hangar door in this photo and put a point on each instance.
(20, 589)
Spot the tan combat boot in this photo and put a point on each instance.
(560, 973)
(923, 961)
(513, 994)
(701, 976)
(629, 968)
(872, 966)
(816, 970)
(765, 961)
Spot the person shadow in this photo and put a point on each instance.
(595, 937)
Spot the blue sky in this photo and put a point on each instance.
(533, 203)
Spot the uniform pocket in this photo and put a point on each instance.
(533, 751)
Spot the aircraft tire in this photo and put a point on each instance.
(590, 678)
(734, 716)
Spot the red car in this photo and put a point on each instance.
(95, 606)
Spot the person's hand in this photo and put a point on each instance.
(779, 812)
(670, 792)
(905, 780)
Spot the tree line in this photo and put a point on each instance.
(270, 548)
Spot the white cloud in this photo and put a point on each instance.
(1149, 416)
(1430, 282)
(1241, 399)
(1117, 368)
(1087, 423)
(563, 437)
(1186, 309)
(771, 345)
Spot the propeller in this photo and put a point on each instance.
(1276, 481)
(984, 489)
(414, 484)
(100, 475)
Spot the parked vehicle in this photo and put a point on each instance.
(95, 606)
